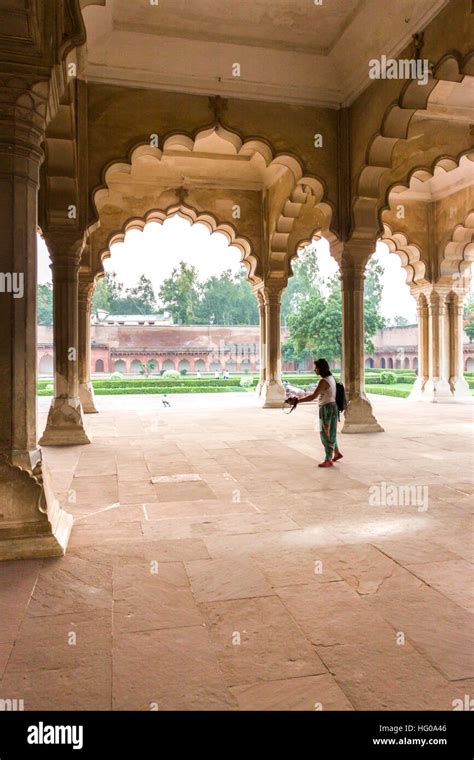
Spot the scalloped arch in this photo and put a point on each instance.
(194, 217)
(409, 254)
(307, 190)
(414, 97)
(423, 173)
(458, 254)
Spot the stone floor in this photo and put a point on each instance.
(262, 582)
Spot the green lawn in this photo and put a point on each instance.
(157, 386)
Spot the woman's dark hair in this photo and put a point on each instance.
(323, 367)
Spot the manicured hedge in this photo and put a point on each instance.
(387, 390)
(172, 389)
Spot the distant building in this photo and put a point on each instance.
(123, 344)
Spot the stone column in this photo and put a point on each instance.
(263, 339)
(65, 425)
(437, 386)
(459, 387)
(86, 391)
(272, 392)
(358, 417)
(423, 346)
(32, 524)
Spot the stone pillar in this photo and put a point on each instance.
(86, 391)
(263, 339)
(358, 417)
(32, 524)
(272, 392)
(65, 425)
(423, 347)
(437, 386)
(459, 387)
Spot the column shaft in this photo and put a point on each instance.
(65, 424)
(32, 524)
(86, 391)
(358, 417)
(273, 392)
(437, 386)
(458, 384)
(263, 340)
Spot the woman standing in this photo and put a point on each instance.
(325, 392)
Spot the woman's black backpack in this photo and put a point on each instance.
(341, 400)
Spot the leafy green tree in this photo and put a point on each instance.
(45, 304)
(102, 294)
(146, 368)
(112, 296)
(469, 317)
(316, 322)
(180, 294)
(373, 289)
(227, 299)
(306, 280)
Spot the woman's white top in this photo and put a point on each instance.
(328, 395)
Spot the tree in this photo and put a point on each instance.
(227, 299)
(373, 289)
(316, 322)
(112, 296)
(45, 304)
(306, 280)
(180, 293)
(469, 317)
(146, 368)
(400, 321)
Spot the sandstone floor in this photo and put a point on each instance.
(245, 577)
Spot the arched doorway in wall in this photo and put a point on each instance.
(406, 362)
(390, 363)
(168, 364)
(120, 366)
(369, 363)
(382, 362)
(199, 365)
(99, 365)
(470, 364)
(135, 367)
(183, 365)
(415, 362)
(46, 366)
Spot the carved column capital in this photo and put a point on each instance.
(65, 245)
(23, 113)
(272, 293)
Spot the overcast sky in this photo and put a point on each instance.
(160, 248)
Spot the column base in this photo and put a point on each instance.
(86, 396)
(272, 395)
(416, 393)
(359, 418)
(436, 390)
(65, 426)
(460, 390)
(33, 524)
